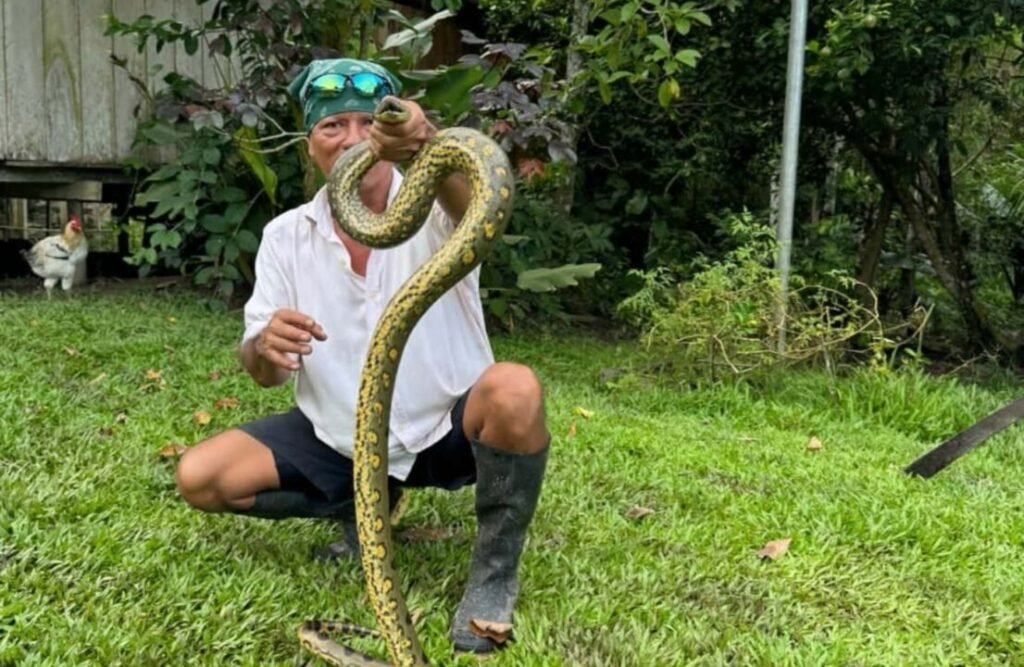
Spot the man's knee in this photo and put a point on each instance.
(509, 409)
(195, 480)
(512, 389)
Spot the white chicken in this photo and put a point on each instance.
(54, 258)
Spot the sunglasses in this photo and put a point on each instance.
(365, 84)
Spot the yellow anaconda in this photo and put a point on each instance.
(487, 169)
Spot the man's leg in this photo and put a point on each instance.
(504, 420)
(235, 472)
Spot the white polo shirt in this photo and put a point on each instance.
(302, 265)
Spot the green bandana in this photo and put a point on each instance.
(317, 104)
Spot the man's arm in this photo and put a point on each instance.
(264, 372)
(272, 354)
(399, 143)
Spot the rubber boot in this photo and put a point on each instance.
(507, 488)
(348, 545)
(287, 504)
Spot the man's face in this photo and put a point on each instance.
(333, 135)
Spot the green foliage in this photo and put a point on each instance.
(723, 321)
(645, 44)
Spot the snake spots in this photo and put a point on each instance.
(468, 256)
(393, 354)
(489, 230)
(505, 192)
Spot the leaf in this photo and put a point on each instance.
(226, 403)
(572, 429)
(120, 418)
(172, 450)
(637, 513)
(214, 376)
(548, 280)
(153, 374)
(160, 133)
(814, 445)
(774, 549)
(71, 352)
(107, 431)
(406, 36)
(247, 145)
(582, 412)
(688, 57)
(202, 417)
(98, 378)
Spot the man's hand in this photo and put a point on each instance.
(289, 332)
(400, 142)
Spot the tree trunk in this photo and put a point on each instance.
(573, 65)
(871, 249)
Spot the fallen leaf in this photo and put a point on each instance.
(120, 418)
(168, 349)
(172, 319)
(107, 431)
(572, 429)
(172, 450)
(497, 632)
(225, 403)
(214, 376)
(98, 378)
(70, 351)
(637, 512)
(583, 412)
(772, 550)
(814, 444)
(153, 374)
(202, 417)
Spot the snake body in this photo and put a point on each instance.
(489, 174)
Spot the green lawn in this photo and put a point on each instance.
(102, 564)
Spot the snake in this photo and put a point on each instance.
(486, 168)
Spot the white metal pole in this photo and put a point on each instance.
(790, 149)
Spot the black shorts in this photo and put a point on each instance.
(304, 462)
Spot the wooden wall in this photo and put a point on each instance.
(62, 100)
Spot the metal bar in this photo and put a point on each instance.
(966, 440)
(790, 150)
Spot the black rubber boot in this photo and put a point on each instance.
(507, 488)
(348, 545)
(286, 504)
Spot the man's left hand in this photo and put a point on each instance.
(400, 142)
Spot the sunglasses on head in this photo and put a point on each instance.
(365, 84)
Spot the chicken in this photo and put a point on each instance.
(54, 258)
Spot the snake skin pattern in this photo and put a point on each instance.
(489, 174)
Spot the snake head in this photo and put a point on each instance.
(391, 110)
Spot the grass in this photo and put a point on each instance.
(102, 564)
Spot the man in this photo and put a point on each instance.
(457, 417)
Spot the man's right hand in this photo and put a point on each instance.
(287, 335)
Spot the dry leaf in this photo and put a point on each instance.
(153, 374)
(98, 378)
(107, 431)
(583, 412)
(225, 403)
(120, 418)
(572, 429)
(202, 417)
(214, 376)
(814, 444)
(70, 351)
(772, 550)
(498, 632)
(172, 449)
(637, 512)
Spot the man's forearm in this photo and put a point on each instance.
(454, 196)
(265, 373)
